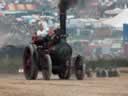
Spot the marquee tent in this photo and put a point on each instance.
(118, 20)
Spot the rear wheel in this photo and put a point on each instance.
(46, 67)
(29, 63)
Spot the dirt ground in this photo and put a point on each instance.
(16, 85)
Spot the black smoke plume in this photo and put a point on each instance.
(64, 5)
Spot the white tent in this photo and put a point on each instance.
(81, 22)
(118, 20)
(114, 11)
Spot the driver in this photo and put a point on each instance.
(43, 29)
(41, 35)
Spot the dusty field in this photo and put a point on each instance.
(12, 85)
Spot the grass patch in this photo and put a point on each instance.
(10, 64)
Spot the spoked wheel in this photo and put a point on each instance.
(66, 71)
(29, 63)
(46, 67)
(79, 68)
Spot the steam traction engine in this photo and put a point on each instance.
(52, 55)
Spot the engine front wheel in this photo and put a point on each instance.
(66, 71)
(79, 68)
